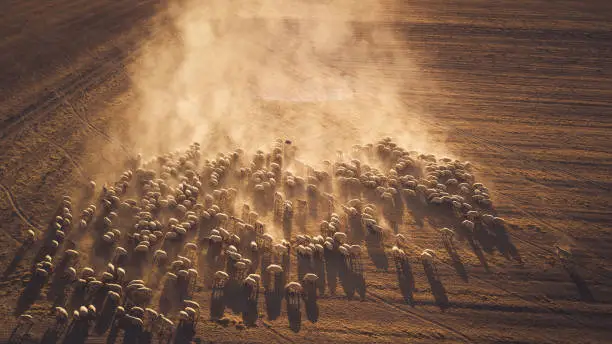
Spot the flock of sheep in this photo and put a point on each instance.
(234, 224)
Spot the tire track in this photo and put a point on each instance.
(554, 170)
(465, 337)
(98, 21)
(275, 332)
(18, 210)
(94, 76)
(91, 126)
(76, 165)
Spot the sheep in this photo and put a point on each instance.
(472, 215)
(499, 221)
(29, 238)
(61, 320)
(274, 273)
(340, 237)
(87, 272)
(468, 225)
(400, 240)
(398, 253)
(565, 256)
(165, 330)
(292, 294)
(427, 256)
(487, 219)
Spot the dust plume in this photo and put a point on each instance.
(241, 73)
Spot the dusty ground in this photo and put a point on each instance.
(523, 91)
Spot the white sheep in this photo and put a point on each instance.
(467, 224)
(340, 237)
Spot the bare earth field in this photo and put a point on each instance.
(523, 90)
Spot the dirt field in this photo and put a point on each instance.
(522, 90)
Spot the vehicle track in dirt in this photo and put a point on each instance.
(71, 85)
(86, 121)
(61, 49)
(84, 177)
(421, 317)
(94, 76)
(18, 210)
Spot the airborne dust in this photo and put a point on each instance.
(324, 74)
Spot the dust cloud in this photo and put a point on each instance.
(241, 73)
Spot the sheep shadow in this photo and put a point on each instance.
(273, 301)
(304, 267)
(234, 297)
(78, 333)
(166, 302)
(486, 239)
(395, 217)
(405, 280)
(352, 283)
(287, 228)
(581, 284)
(217, 303)
(478, 252)
(30, 294)
(265, 261)
(51, 336)
(146, 338)
(504, 244)
(310, 304)
(131, 333)
(59, 292)
(437, 289)
(312, 311)
(250, 313)
(105, 319)
(417, 212)
(286, 265)
(113, 333)
(319, 270)
(376, 251)
(17, 258)
(103, 251)
(332, 264)
(255, 261)
(456, 261)
(348, 285)
(184, 333)
(359, 285)
(155, 277)
(20, 333)
(294, 315)
(136, 266)
(77, 298)
(356, 231)
(440, 217)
